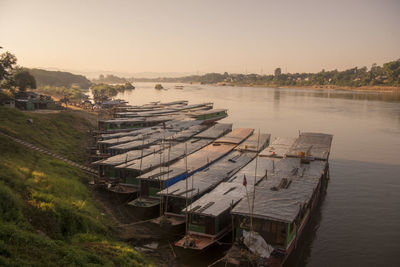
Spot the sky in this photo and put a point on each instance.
(200, 36)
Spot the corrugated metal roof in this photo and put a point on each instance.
(222, 199)
(200, 158)
(278, 147)
(236, 136)
(318, 144)
(188, 133)
(215, 131)
(128, 156)
(255, 142)
(210, 177)
(219, 200)
(178, 125)
(167, 155)
(281, 203)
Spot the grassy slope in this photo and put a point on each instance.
(47, 214)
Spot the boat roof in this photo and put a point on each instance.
(255, 142)
(236, 136)
(194, 106)
(160, 135)
(281, 203)
(188, 133)
(195, 161)
(279, 147)
(222, 201)
(205, 112)
(182, 133)
(210, 177)
(128, 156)
(318, 145)
(147, 113)
(219, 199)
(174, 124)
(219, 171)
(215, 131)
(200, 158)
(166, 155)
(138, 119)
(184, 102)
(129, 138)
(149, 140)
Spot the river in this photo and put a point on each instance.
(357, 223)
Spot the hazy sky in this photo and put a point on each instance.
(205, 36)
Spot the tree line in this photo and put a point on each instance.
(386, 75)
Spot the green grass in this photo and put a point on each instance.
(64, 132)
(48, 216)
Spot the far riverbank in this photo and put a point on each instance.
(379, 89)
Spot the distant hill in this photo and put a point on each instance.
(59, 78)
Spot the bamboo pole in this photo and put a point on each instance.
(140, 170)
(254, 186)
(160, 180)
(186, 213)
(169, 157)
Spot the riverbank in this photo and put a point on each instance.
(379, 89)
(48, 214)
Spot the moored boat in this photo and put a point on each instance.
(179, 195)
(163, 177)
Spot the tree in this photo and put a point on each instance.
(278, 71)
(23, 80)
(7, 64)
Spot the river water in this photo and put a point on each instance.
(358, 221)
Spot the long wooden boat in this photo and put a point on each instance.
(128, 124)
(173, 124)
(211, 221)
(159, 179)
(163, 111)
(284, 202)
(210, 115)
(177, 196)
(120, 171)
(149, 137)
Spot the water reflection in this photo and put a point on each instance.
(357, 223)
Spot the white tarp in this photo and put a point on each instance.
(256, 244)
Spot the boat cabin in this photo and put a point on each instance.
(282, 202)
